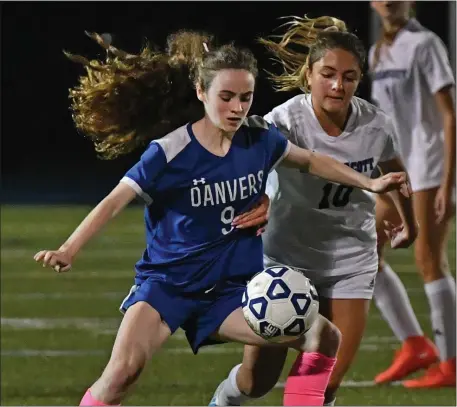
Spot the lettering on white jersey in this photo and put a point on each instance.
(224, 192)
(366, 165)
(389, 73)
(362, 166)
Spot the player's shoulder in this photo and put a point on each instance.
(418, 36)
(255, 122)
(369, 115)
(289, 107)
(173, 143)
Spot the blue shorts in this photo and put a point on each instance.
(198, 314)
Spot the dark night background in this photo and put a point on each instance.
(44, 160)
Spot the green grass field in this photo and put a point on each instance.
(57, 330)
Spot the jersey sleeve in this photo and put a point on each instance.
(434, 63)
(277, 145)
(272, 186)
(142, 177)
(280, 118)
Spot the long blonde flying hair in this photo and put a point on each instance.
(305, 42)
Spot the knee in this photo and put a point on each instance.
(121, 373)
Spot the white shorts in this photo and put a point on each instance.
(346, 286)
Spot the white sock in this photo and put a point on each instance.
(441, 297)
(230, 394)
(392, 300)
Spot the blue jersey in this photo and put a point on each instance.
(192, 197)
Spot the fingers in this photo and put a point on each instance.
(439, 214)
(260, 231)
(61, 268)
(39, 256)
(65, 268)
(389, 225)
(254, 217)
(47, 258)
(260, 210)
(257, 221)
(405, 190)
(245, 216)
(440, 209)
(52, 259)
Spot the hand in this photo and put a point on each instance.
(56, 259)
(401, 237)
(390, 182)
(257, 216)
(444, 206)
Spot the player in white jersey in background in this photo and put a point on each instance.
(326, 230)
(412, 81)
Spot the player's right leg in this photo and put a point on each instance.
(153, 312)
(263, 362)
(140, 335)
(390, 296)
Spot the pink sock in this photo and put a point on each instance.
(88, 400)
(308, 379)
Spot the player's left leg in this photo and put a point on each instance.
(345, 302)
(350, 316)
(263, 364)
(391, 298)
(253, 378)
(432, 262)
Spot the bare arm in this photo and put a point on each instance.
(332, 170)
(107, 209)
(402, 203)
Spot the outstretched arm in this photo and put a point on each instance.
(334, 171)
(107, 209)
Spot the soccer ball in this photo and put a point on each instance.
(280, 304)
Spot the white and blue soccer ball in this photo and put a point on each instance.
(280, 304)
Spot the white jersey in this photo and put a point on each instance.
(319, 226)
(408, 74)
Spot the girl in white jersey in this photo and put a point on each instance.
(412, 81)
(326, 230)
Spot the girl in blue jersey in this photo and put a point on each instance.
(194, 180)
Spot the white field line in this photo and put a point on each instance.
(31, 296)
(54, 323)
(349, 383)
(10, 296)
(109, 326)
(75, 274)
(217, 350)
(213, 350)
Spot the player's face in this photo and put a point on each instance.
(392, 10)
(334, 79)
(229, 98)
